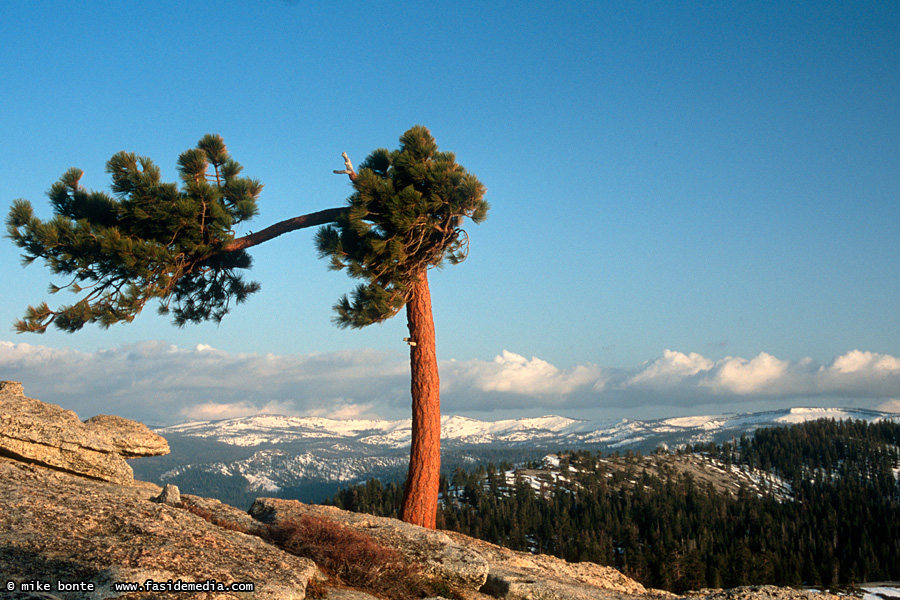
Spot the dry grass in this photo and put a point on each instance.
(350, 557)
(353, 558)
(315, 589)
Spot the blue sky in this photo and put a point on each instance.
(694, 205)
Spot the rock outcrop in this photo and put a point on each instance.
(61, 530)
(130, 439)
(469, 563)
(49, 435)
(764, 592)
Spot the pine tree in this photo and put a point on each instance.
(403, 219)
(153, 240)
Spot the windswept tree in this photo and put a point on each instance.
(154, 240)
(404, 218)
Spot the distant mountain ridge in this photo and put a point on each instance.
(276, 429)
(309, 458)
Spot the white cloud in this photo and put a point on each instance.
(514, 374)
(670, 369)
(854, 374)
(211, 411)
(890, 406)
(762, 374)
(865, 362)
(346, 411)
(861, 374)
(157, 382)
(160, 383)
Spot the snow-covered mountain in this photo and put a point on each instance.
(270, 429)
(309, 457)
(541, 431)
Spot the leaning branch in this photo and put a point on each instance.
(329, 215)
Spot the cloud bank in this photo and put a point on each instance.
(159, 383)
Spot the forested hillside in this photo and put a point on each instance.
(815, 504)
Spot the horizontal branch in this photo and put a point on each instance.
(329, 215)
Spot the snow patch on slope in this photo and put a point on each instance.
(273, 429)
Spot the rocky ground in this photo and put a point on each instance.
(74, 524)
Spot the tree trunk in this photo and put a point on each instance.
(420, 498)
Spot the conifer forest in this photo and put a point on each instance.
(825, 511)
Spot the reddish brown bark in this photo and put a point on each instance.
(420, 498)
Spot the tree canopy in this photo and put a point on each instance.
(404, 217)
(148, 240)
(177, 244)
(156, 240)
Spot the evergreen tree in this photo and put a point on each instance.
(154, 240)
(667, 529)
(403, 219)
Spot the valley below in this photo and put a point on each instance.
(796, 497)
(311, 458)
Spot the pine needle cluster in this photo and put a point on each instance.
(404, 217)
(147, 240)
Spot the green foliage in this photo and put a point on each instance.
(148, 240)
(841, 525)
(404, 217)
